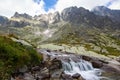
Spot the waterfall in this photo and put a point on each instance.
(84, 68)
(71, 67)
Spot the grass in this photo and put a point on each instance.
(14, 55)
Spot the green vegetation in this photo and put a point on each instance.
(27, 33)
(14, 55)
(113, 51)
(70, 39)
(92, 39)
(107, 45)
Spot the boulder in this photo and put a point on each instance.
(36, 68)
(66, 77)
(48, 50)
(111, 68)
(43, 74)
(118, 59)
(55, 64)
(77, 76)
(86, 58)
(44, 71)
(28, 76)
(97, 64)
(56, 74)
(43, 77)
(104, 61)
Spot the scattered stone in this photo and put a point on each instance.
(118, 59)
(86, 58)
(103, 61)
(36, 68)
(48, 50)
(76, 76)
(66, 77)
(28, 76)
(55, 64)
(56, 74)
(44, 71)
(60, 50)
(51, 68)
(97, 64)
(44, 76)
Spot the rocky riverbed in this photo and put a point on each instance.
(58, 65)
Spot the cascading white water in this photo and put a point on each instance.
(84, 68)
(71, 67)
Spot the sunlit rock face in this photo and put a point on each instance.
(96, 17)
(71, 20)
(42, 17)
(74, 14)
(54, 18)
(50, 18)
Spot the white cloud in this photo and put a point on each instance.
(115, 5)
(9, 7)
(88, 4)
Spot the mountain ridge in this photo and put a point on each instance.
(78, 23)
(104, 11)
(74, 15)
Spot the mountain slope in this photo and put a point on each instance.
(97, 30)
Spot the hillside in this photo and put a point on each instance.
(96, 30)
(70, 44)
(15, 55)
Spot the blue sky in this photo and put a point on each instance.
(37, 7)
(48, 3)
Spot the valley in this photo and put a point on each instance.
(76, 44)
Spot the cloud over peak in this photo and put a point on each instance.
(36, 7)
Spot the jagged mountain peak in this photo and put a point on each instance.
(114, 15)
(49, 18)
(74, 14)
(74, 10)
(24, 15)
(100, 8)
(72, 20)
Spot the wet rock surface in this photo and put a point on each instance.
(77, 76)
(66, 77)
(52, 69)
(97, 64)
